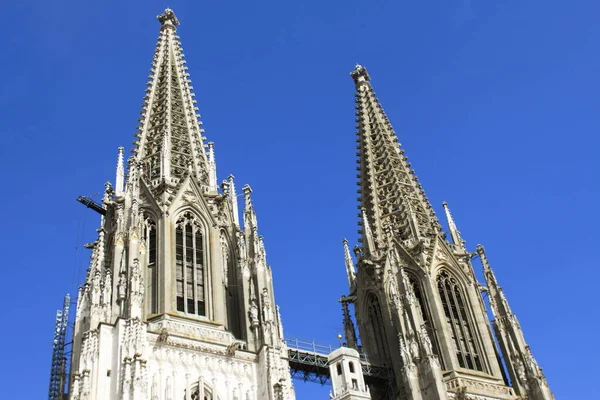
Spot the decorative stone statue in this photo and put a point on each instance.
(253, 313)
(425, 341)
(267, 309)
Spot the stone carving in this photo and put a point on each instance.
(190, 197)
(233, 347)
(193, 331)
(164, 336)
(520, 371)
(425, 341)
(253, 313)
(441, 256)
(458, 383)
(224, 257)
(267, 309)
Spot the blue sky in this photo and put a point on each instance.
(496, 104)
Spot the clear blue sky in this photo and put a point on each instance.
(496, 102)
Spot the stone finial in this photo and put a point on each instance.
(233, 197)
(367, 234)
(247, 190)
(360, 74)
(120, 178)
(349, 264)
(454, 232)
(168, 18)
(212, 167)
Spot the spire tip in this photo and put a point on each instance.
(360, 74)
(168, 18)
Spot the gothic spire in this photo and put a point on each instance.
(169, 143)
(454, 232)
(390, 191)
(526, 375)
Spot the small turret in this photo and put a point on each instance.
(346, 375)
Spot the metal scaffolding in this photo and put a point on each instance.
(59, 359)
(308, 362)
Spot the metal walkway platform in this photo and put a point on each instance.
(308, 363)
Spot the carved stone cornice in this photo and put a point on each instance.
(192, 330)
(479, 388)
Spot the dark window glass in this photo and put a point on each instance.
(457, 317)
(189, 266)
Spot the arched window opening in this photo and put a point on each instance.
(196, 395)
(461, 326)
(351, 366)
(377, 329)
(231, 288)
(151, 261)
(339, 368)
(189, 263)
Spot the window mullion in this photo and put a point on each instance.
(461, 324)
(184, 266)
(452, 322)
(195, 269)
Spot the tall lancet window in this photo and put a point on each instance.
(459, 322)
(150, 242)
(189, 263)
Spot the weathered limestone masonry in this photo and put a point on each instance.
(178, 301)
(418, 305)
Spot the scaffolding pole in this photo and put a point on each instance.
(58, 369)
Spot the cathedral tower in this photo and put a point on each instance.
(178, 300)
(418, 305)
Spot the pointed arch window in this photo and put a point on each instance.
(189, 265)
(461, 326)
(151, 260)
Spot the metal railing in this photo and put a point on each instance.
(309, 363)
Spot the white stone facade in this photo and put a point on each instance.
(178, 300)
